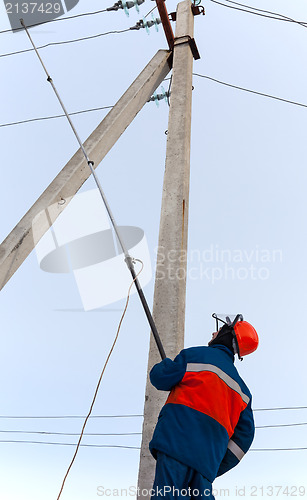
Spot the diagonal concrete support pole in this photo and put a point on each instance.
(19, 243)
(170, 285)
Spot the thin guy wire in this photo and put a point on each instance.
(100, 378)
(49, 79)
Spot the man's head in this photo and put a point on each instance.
(223, 336)
(238, 335)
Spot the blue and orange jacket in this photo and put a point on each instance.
(207, 421)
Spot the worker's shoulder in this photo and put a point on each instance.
(194, 352)
(205, 354)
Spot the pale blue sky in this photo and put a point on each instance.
(247, 199)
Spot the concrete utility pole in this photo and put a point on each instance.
(170, 285)
(20, 242)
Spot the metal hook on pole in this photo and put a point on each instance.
(128, 259)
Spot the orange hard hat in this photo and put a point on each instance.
(247, 338)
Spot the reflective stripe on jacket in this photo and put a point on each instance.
(207, 421)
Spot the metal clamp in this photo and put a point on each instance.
(180, 40)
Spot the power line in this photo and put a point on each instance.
(251, 91)
(56, 20)
(73, 433)
(7, 431)
(278, 425)
(282, 408)
(69, 41)
(129, 447)
(277, 449)
(65, 19)
(73, 444)
(65, 42)
(280, 17)
(151, 11)
(55, 116)
(128, 415)
(110, 107)
(70, 416)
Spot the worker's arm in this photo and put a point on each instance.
(167, 373)
(240, 441)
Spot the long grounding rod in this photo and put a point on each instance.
(128, 259)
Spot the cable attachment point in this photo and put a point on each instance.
(196, 10)
(130, 261)
(126, 4)
(142, 23)
(159, 97)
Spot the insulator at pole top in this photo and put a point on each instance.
(159, 97)
(126, 4)
(142, 23)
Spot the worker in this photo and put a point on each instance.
(206, 425)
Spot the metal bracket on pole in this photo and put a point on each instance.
(180, 40)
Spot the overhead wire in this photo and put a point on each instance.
(281, 408)
(20, 122)
(131, 415)
(73, 433)
(280, 425)
(49, 433)
(68, 416)
(128, 415)
(278, 449)
(65, 42)
(56, 20)
(130, 447)
(151, 10)
(72, 444)
(251, 91)
(55, 116)
(280, 17)
(68, 41)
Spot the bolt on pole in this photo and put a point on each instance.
(170, 283)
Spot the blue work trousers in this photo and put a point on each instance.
(173, 479)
